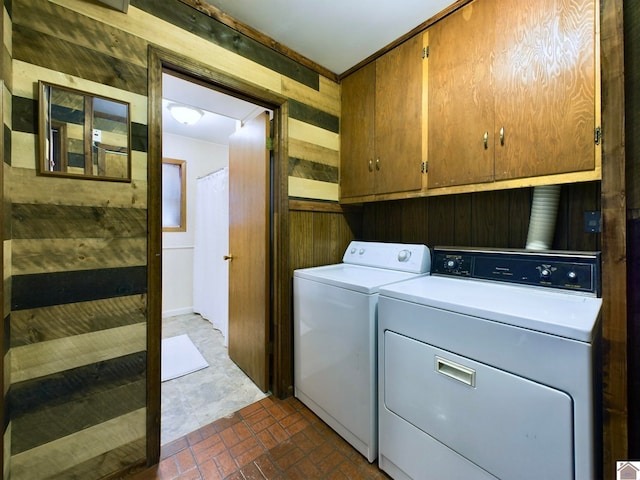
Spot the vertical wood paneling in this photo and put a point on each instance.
(487, 219)
(614, 268)
(632, 139)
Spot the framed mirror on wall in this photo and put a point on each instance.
(83, 135)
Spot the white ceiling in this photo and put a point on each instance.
(221, 112)
(336, 34)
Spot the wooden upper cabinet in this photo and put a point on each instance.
(398, 136)
(461, 107)
(512, 91)
(544, 82)
(357, 148)
(381, 139)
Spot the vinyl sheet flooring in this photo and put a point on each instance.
(199, 398)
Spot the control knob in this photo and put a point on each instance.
(545, 273)
(451, 263)
(572, 276)
(404, 255)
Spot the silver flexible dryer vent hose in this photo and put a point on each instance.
(542, 223)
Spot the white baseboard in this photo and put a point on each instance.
(177, 311)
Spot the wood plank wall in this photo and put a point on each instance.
(632, 99)
(75, 250)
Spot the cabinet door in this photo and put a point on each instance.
(357, 133)
(544, 73)
(398, 118)
(461, 112)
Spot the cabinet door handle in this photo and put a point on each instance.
(502, 137)
(485, 140)
(377, 164)
(370, 165)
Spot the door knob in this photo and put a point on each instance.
(228, 257)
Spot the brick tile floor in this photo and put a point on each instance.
(270, 439)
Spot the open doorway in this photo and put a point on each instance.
(276, 348)
(200, 383)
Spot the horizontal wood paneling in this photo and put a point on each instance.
(38, 221)
(313, 153)
(46, 358)
(314, 116)
(76, 286)
(59, 457)
(54, 406)
(104, 464)
(56, 255)
(26, 187)
(36, 47)
(104, 38)
(44, 324)
(313, 189)
(314, 171)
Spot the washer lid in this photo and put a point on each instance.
(353, 277)
(554, 312)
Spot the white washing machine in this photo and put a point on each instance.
(489, 368)
(335, 335)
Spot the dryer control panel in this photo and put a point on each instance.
(574, 271)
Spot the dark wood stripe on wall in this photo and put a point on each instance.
(79, 286)
(314, 116)
(139, 137)
(315, 171)
(44, 324)
(51, 407)
(24, 114)
(35, 47)
(191, 20)
(64, 221)
(7, 145)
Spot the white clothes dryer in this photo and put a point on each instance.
(489, 368)
(335, 335)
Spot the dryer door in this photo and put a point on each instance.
(507, 425)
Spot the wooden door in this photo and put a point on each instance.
(461, 97)
(544, 73)
(398, 129)
(249, 207)
(357, 155)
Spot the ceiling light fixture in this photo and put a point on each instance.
(184, 113)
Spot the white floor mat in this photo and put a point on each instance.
(180, 357)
